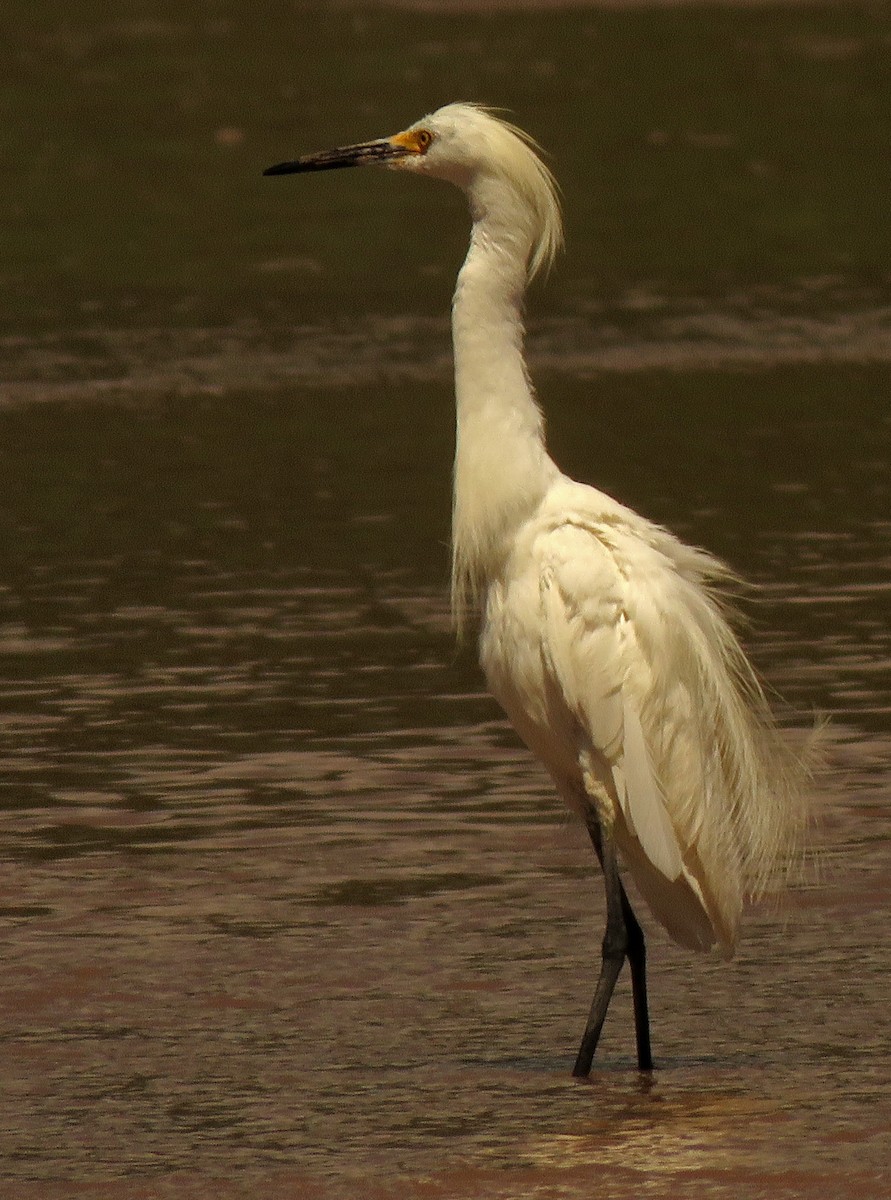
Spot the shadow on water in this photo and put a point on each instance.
(286, 910)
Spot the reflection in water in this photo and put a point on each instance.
(650, 1131)
(286, 910)
(283, 894)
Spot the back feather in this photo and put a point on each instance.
(732, 785)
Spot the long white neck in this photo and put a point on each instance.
(502, 468)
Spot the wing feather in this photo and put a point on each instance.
(589, 646)
(706, 796)
(643, 803)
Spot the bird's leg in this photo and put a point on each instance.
(623, 938)
(615, 945)
(637, 962)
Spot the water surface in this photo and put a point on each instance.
(286, 909)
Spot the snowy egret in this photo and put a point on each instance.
(605, 639)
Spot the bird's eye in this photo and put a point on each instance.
(423, 138)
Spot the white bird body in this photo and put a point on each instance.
(601, 634)
(577, 649)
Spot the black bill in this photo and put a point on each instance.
(365, 153)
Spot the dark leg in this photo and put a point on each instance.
(637, 961)
(623, 938)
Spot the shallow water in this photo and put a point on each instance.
(286, 909)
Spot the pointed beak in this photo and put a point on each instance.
(382, 151)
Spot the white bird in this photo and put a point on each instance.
(605, 639)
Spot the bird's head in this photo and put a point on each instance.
(495, 163)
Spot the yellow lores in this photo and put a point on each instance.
(416, 141)
(604, 637)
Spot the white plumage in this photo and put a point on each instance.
(604, 638)
(604, 645)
